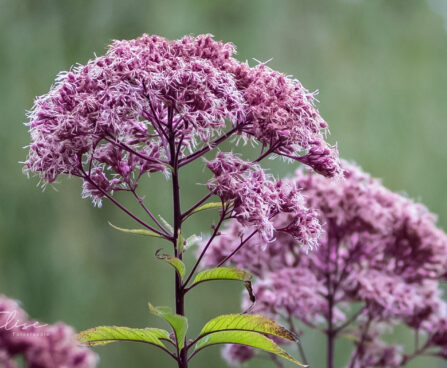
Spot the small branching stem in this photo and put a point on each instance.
(360, 347)
(129, 149)
(350, 320)
(140, 201)
(243, 242)
(210, 240)
(212, 145)
(86, 177)
(275, 360)
(198, 204)
(292, 328)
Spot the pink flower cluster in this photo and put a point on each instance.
(257, 199)
(378, 264)
(237, 354)
(376, 352)
(113, 120)
(282, 116)
(42, 346)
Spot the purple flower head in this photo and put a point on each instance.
(380, 261)
(113, 120)
(278, 292)
(377, 353)
(6, 361)
(235, 355)
(282, 115)
(11, 316)
(257, 199)
(41, 345)
(59, 348)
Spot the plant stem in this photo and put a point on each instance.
(131, 150)
(140, 201)
(243, 242)
(275, 360)
(121, 207)
(298, 343)
(177, 214)
(198, 204)
(330, 332)
(360, 347)
(418, 352)
(215, 233)
(349, 321)
(196, 155)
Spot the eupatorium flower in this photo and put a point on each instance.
(112, 120)
(258, 199)
(42, 346)
(237, 354)
(379, 263)
(282, 115)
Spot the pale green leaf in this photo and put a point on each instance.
(247, 322)
(173, 261)
(226, 273)
(248, 338)
(178, 323)
(222, 273)
(206, 206)
(106, 334)
(180, 242)
(136, 231)
(349, 337)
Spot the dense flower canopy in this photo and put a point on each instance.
(112, 120)
(379, 264)
(42, 346)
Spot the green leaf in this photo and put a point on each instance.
(106, 334)
(180, 241)
(247, 322)
(178, 323)
(206, 206)
(248, 338)
(136, 231)
(350, 337)
(173, 261)
(222, 273)
(226, 273)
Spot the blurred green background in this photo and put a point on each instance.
(380, 66)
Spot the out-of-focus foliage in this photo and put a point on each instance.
(380, 69)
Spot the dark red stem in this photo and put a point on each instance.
(198, 204)
(208, 148)
(140, 201)
(330, 332)
(179, 291)
(215, 232)
(120, 206)
(243, 242)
